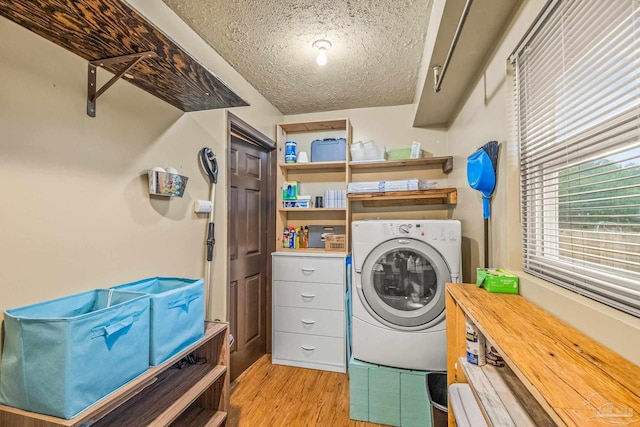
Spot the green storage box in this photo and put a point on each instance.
(359, 390)
(497, 280)
(401, 154)
(384, 396)
(415, 410)
(391, 396)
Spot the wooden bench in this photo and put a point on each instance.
(554, 374)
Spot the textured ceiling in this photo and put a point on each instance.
(374, 61)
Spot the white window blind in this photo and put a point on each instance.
(577, 93)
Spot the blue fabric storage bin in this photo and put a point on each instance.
(177, 314)
(62, 356)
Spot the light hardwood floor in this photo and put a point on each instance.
(275, 395)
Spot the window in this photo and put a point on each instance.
(577, 93)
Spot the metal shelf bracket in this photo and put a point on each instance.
(93, 92)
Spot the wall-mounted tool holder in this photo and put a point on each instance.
(166, 184)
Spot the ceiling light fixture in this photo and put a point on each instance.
(323, 46)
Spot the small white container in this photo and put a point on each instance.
(357, 153)
(475, 345)
(303, 157)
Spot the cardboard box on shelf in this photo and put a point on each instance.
(335, 242)
(497, 280)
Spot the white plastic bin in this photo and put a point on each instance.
(465, 407)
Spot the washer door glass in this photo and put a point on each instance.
(403, 282)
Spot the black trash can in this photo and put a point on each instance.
(437, 392)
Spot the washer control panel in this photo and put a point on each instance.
(421, 230)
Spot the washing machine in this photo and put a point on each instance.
(400, 269)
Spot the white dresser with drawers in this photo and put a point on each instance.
(309, 324)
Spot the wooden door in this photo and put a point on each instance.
(248, 253)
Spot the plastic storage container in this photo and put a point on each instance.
(177, 314)
(465, 408)
(329, 150)
(62, 356)
(317, 234)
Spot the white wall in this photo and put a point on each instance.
(391, 127)
(76, 213)
(487, 115)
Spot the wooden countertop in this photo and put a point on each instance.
(576, 380)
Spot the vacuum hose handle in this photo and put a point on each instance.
(209, 164)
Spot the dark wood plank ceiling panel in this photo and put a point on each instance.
(100, 29)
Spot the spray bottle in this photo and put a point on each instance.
(292, 238)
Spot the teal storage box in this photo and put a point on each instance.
(415, 410)
(177, 314)
(359, 390)
(384, 396)
(64, 355)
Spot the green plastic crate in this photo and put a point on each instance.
(359, 390)
(384, 396)
(401, 154)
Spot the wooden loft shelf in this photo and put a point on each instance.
(339, 166)
(310, 251)
(108, 29)
(312, 210)
(445, 162)
(322, 125)
(440, 196)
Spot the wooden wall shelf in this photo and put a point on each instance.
(312, 210)
(440, 196)
(315, 166)
(100, 30)
(574, 380)
(319, 126)
(445, 162)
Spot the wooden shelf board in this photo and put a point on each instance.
(163, 401)
(312, 210)
(200, 417)
(446, 196)
(110, 28)
(570, 375)
(321, 125)
(505, 401)
(124, 393)
(310, 250)
(445, 162)
(315, 166)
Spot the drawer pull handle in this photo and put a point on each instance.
(308, 322)
(307, 348)
(308, 295)
(307, 270)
